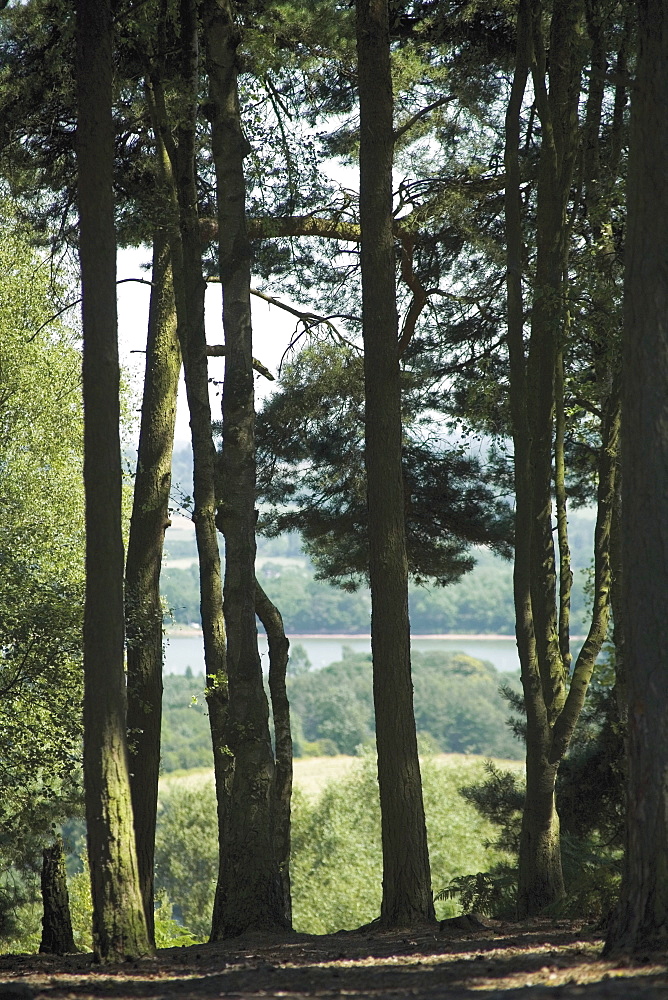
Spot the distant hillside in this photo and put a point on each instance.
(480, 603)
(458, 709)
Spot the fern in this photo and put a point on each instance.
(490, 893)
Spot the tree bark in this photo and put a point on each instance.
(150, 518)
(119, 925)
(536, 391)
(249, 893)
(641, 923)
(175, 143)
(407, 898)
(553, 696)
(57, 935)
(279, 652)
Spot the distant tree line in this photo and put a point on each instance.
(459, 708)
(480, 603)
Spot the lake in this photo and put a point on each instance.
(182, 651)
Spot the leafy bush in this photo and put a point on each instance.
(186, 852)
(336, 866)
(491, 893)
(168, 932)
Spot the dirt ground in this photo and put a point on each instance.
(536, 960)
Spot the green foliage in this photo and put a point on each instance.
(591, 792)
(168, 932)
(41, 559)
(500, 799)
(590, 802)
(492, 893)
(180, 592)
(186, 736)
(27, 932)
(299, 662)
(593, 876)
(335, 703)
(457, 703)
(336, 866)
(592, 778)
(186, 852)
(24, 933)
(310, 438)
(458, 709)
(481, 602)
(311, 605)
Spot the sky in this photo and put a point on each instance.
(272, 331)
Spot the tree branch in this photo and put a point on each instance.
(422, 113)
(219, 351)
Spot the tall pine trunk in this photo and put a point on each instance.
(119, 925)
(175, 143)
(407, 897)
(641, 923)
(150, 518)
(553, 696)
(250, 889)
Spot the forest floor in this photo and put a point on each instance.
(539, 960)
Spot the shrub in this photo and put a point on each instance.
(186, 852)
(336, 866)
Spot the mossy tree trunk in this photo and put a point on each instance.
(150, 518)
(407, 897)
(641, 923)
(119, 925)
(250, 889)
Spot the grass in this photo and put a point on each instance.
(313, 774)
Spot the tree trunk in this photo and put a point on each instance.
(176, 159)
(407, 897)
(119, 926)
(541, 620)
(150, 518)
(553, 697)
(57, 935)
(642, 920)
(279, 652)
(250, 888)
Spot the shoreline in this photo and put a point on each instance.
(186, 632)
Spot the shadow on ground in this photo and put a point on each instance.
(536, 960)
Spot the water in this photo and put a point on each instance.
(182, 651)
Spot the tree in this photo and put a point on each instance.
(57, 934)
(41, 562)
(310, 434)
(553, 696)
(407, 897)
(176, 154)
(119, 925)
(641, 923)
(150, 518)
(249, 893)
